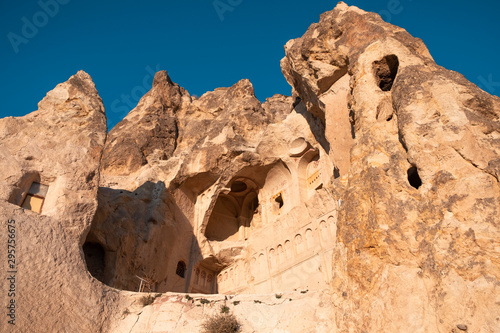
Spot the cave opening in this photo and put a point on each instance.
(181, 269)
(413, 177)
(223, 222)
(95, 259)
(385, 71)
(233, 212)
(279, 201)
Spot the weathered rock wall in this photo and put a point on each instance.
(367, 202)
(418, 235)
(283, 312)
(185, 208)
(58, 146)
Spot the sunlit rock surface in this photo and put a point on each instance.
(366, 202)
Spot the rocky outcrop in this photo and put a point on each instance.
(58, 147)
(256, 313)
(153, 209)
(151, 129)
(367, 202)
(418, 229)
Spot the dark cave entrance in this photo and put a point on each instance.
(385, 71)
(95, 259)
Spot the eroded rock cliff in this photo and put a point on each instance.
(417, 232)
(368, 201)
(50, 164)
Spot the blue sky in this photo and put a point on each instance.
(207, 44)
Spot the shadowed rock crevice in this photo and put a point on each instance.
(95, 259)
(144, 236)
(316, 125)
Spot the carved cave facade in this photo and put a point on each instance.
(252, 234)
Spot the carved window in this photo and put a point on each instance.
(181, 269)
(35, 197)
(385, 71)
(280, 255)
(309, 239)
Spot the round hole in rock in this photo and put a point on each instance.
(413, 177)
(95, 259)
(238, 186)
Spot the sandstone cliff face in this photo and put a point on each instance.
(170, 208)
(418, 235)
(197, 219)
(58, 146)
(367, 202)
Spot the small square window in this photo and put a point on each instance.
(33, 203)
(35, 197)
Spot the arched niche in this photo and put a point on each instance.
(203, 278)
(288, 250)
(262, 266)
(313, 174)
(310, 242)
(223, 222)
(309, 171)
(276, 192)
(299, 244)
(272, 259)
(233, 212)
(181, 269)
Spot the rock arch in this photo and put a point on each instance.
(233, 212)
(309, 173)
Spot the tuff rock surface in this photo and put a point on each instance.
(367, 202)
(407, 259)
(59, 144)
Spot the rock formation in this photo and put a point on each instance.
(58, 146)
(417, 234)
(367, 202)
